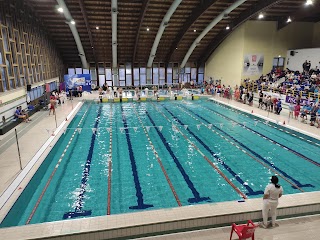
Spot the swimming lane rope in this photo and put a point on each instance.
(110, 164)
(158, 158)
(205, 157)
(240, 148)
(54, 170)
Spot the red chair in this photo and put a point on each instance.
(244, 231)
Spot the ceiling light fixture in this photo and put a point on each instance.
(97, 27)
(194, 30)
(148, 29)
(260, 16)
(72, 22)
(279, 56)
(289, 20)
(227, 27)
(60, 9)
(309, 2)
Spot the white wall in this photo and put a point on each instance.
(300, 56)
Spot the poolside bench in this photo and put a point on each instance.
(11, 122)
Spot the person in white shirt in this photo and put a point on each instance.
(271, 195)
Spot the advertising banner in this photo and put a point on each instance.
(303, 102)
(253, 64)
(76, 80)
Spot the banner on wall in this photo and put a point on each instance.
(76, 80)
(253, 64)
(303, 102)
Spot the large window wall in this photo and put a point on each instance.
(26, 54)
(133, 75)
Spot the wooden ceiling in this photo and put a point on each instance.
(135, 16)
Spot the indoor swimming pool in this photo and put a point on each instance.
(120, 158)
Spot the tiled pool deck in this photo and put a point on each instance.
(38, 134)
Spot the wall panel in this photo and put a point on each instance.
(27, 55)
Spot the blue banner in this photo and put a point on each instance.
(303, 102)
(72, 82)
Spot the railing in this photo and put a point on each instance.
(302, 93)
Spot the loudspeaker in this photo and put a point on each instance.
(29, 87)
(292, 53)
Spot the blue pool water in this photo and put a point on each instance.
(119, 158)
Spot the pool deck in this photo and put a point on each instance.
(37, 135)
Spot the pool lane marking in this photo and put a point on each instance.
(54, 171)
(110, 164)
(205, 157)
(255, 132)
(85, 176)
(139, 194)
(264, 162)
(197, 198)
(158, 159)
(223, 163)
(241, 113)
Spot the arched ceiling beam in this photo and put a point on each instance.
(75, 33)
(85, 17)
(261, 6)
(196, 13)
(211, 25)
(163, 25)
(144, 7)
(300, 14)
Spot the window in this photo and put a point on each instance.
(122, 75)
(93, 73)
(156, 75)
(136, 74)
(129, 80)
(78, 70)
(102, 80)
(169, 75)
(143, 78)
(128, 74)
(193, 74)
(4, 78)
(149, 75)
(71, 71)
(108, 74)
(278, 62)
(100, 68)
